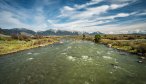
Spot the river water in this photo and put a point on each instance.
(72, 62)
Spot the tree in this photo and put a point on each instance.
(84, 36)
(97, 38)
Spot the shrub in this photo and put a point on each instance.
(14, 36)
(1, 38)
(141, 48)
(21, 37)
(38, 37)
(24, 37)
(130, 38)
(97, 38)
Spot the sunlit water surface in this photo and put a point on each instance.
(72, 62)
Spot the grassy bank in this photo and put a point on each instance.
(10, 45)
(130, 43)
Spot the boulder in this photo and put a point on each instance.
(110, 45)
(139, 61)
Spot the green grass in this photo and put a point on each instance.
(137, 46)
(18, 45)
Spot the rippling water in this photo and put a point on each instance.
(72, 62)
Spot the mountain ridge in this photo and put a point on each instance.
(45, 33)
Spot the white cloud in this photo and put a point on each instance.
(140, 13)
(8, 17)
(115, 6)
(90, 12)
(67, 8)
(89, 19)
(115, 16)
(92, 2)
(114, 28)
(122, 1)
(11, 20)
(124, 28)
(93, 25)
(73, 13)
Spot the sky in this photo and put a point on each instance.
(106, 16)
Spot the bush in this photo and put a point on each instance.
(131, 38)
(1, 38)
(21, 37)
(14, 36)
(141, 48)
(24, 37)
(97, 38)
(37, 37)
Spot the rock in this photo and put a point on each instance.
(142, 58)
(61, 42)
(41, 45)
(29, 53)
(107, 57)
(118, 48)
(110, 45)
(139, 61)
(30, 58)
(139, 53)
(115, 66)
(111, 72)
(71, 58)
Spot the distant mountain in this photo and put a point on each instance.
(45, 33)
(57, 32)
(94, 33)
(16, 31)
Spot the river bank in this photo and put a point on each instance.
(135, 44)
(12, 46)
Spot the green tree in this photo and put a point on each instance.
(84, 36)
(97, 38)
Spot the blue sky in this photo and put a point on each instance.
(107, 16)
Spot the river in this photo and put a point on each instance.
(72, 62)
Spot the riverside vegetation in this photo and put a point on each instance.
(130, 43)
(14, 43)
(133, 43)
(127, 42)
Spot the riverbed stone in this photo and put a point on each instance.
(142, 58)
(110, 45)
(139, 61)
